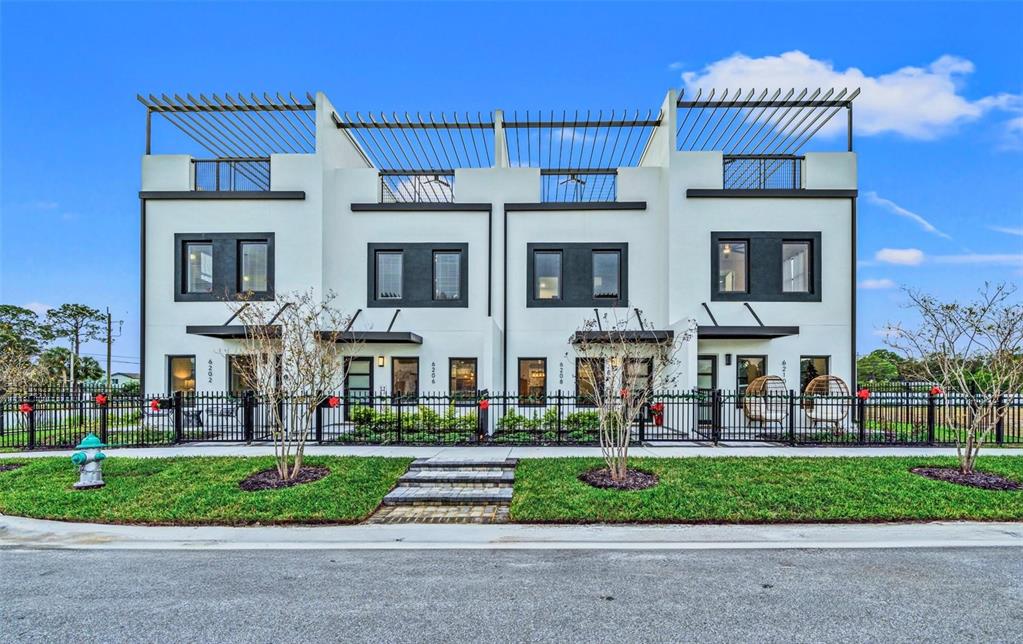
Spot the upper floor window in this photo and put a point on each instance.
(447, 281)
(547, 275)
(253, 270)
(199, 267)
(732, 266)
(217, 266)
(795, 257)
(389, 275)
(606, 267)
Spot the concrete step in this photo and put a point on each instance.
(462, 478)
(413, 495)
(463, 464)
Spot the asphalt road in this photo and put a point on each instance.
(960, 595)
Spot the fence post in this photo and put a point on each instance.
(398, 429)
(558, 424)
(318, 419)
(32, 422)
(104, 420)
(178, 416)
(1000, 423)
(930, 418)
(248, 415)
(642, 422)
(715, 416)
(792, 417)
(860, 407)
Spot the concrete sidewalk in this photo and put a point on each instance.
(20, 534)
(498, 453)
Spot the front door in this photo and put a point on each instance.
(358, 384)
(706, 383)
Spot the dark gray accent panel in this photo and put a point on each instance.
(577, 276)
(745, 332)
(764, 261)
(226, 268)
(417, 276)
(425, 207)
(575, 205)
(771, 193)
(223, 195)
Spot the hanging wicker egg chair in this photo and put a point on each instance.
(826, 400)
(765, 400)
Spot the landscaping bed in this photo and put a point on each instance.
(763, 490)
(197, 491)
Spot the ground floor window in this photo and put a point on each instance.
(589, 380)
(462, 380)
(748, 369)
(532, 380)
(812, 366)
(181, 374)
(405, 378)
(239, 374)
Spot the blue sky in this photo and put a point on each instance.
(940, 122)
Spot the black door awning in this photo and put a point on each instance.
(745, 332)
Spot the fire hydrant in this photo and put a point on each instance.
(89, 461)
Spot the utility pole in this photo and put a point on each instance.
(110, 342)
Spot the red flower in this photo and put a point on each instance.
(624, 392)
(657, 407)
(936, 391)
(863, 394)
(25, 408)
(333, 401)
(484, 404)
(101, 399)
(154, 404)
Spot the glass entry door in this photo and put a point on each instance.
(358, 384)
(706, 383)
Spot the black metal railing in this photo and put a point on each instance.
(763, 172)
(231, 174)
(417, 187)
(582, 185)
(60, 421)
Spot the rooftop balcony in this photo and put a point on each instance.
(247, 174)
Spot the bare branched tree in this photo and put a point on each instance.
(953, 343)
(294, 352)
(17, 373)
(622, 365)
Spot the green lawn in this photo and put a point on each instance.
(196, 491)
(762, 490)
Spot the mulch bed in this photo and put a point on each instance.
(634, 479)
(271, 480)
(7, 467)
(982, 480)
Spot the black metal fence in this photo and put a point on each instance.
(231, 174)
(763, 172)
(55, 420)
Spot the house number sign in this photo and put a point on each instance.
(209, 372)
(433, 373)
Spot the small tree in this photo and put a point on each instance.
(295, 348)
(953, 342)
(55, 364)
(622, 366)
(78, 323)
(21, 330)
(17, 374)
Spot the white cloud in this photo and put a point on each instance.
(877, 284)
(901, 256)
(1018, 232)
(998, 259)
(38, 308)
(916, 102)
(896, 209)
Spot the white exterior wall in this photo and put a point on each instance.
(321, 243)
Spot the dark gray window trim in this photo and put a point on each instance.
(167, 369)
(225, 195)
(546, 382)
(574, 206)
(738, 358)
(226, 266)
(475, 374)
(417, 275)
(421, 207)
(577, 275)
(801, 193)
(763, 266)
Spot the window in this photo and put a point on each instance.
(239, 374)
(748, 369)
(462, 381)
(795, 267)
(812, 366)
(199, 267)
(732, 266)
(532, 380)
(639, 374)
(447, 279)
(389, 275)
(589, 379)
(547, 275)
(181, 374)
(405, 378)
(253, 270)
(606, 268)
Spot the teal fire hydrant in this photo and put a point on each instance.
(89, 461)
